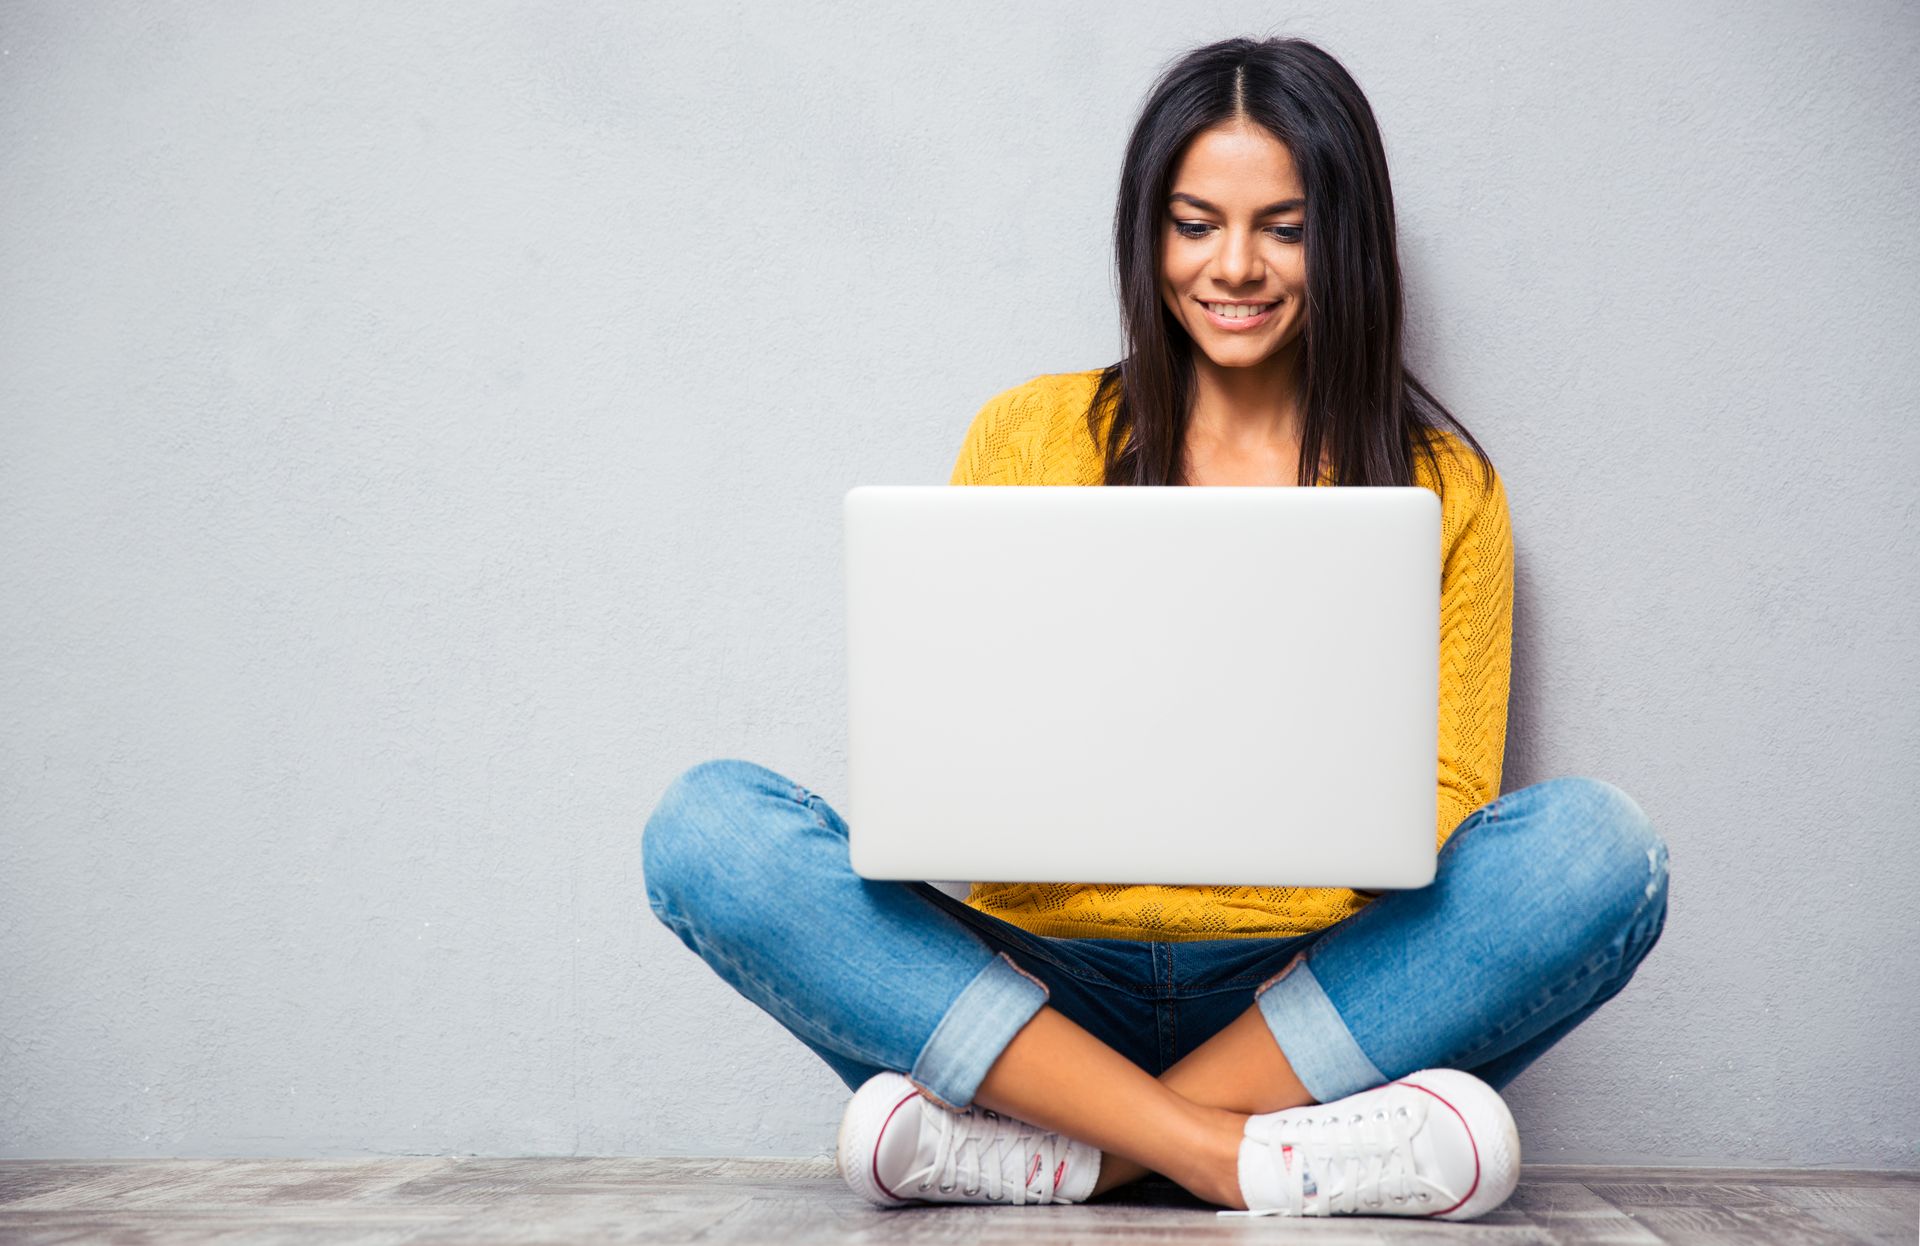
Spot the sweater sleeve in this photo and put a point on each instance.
(1001, 447)
(970, 465)
(1476, 647)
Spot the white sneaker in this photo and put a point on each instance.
(1438, 1143)
(897, 1146)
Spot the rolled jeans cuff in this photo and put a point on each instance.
(1316, 1042)
(977, 1027)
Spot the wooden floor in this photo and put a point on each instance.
(755, 1202)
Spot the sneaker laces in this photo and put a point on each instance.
(994, 1140)
(1358, 1161)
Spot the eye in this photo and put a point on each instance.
(1198, 229)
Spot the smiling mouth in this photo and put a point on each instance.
(1234, 316)
(1238, 309)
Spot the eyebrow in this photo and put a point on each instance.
(1285, 205)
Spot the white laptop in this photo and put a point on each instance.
(1222, 685)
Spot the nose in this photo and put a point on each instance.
(1239, 259)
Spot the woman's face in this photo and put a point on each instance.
(1234, 234)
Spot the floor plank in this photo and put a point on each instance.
(444, 1200)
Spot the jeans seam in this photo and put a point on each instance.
(1168, 1003)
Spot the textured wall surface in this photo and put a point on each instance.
(422, 434)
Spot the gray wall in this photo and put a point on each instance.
(424, 431)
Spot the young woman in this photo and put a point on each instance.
(1289, 1050)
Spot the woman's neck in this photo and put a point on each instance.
(1246, 409)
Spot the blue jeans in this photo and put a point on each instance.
(1544, 903)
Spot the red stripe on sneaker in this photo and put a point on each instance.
(909, 1098)
(1058, 1173)
(1470, 1142)
(1032, 1169)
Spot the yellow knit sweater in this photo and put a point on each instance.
(1036, 434)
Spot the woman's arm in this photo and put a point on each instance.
(1476, 648)
(1003, 444)
(970, 466)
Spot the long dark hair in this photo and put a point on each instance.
(1361, 408)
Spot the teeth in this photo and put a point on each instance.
(1232, 312)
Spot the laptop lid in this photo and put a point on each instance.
(1222, 686)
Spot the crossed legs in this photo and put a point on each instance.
(1186, 1124)
(1544, 905)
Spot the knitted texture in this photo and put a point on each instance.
(1036, 434)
